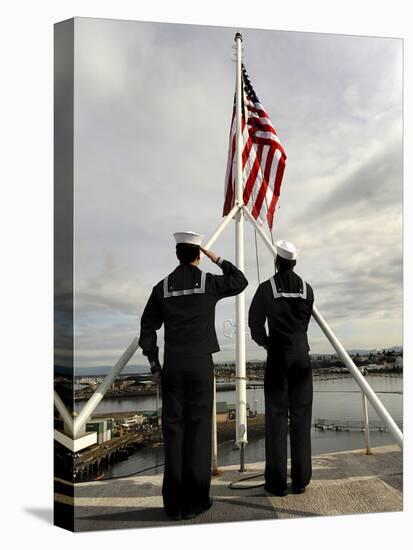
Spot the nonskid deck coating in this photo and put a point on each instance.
(348, 482)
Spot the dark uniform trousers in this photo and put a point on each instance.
(285, 301)
(187, 394)
(185, 303)
(288, 390)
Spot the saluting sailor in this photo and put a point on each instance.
(185, 303)
(285, 301)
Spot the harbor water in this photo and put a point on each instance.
(335, 398)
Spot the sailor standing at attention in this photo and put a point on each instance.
(285, 301)
(185, 303)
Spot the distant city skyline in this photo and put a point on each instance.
(153, 104)
(143, 366)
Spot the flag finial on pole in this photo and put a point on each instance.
(238, 35)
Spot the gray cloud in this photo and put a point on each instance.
(375, 184)
(152, 113)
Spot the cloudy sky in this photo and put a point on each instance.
(153, 104)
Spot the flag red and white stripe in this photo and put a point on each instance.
(263, 159)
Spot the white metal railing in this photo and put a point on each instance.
(359, 378)
(366, 423)
(366, 389)
(76, 425)
(64, 413)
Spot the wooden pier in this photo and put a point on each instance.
(91, 462)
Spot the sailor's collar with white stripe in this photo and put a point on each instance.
(187, 265)
(278, 293)
(169, 292)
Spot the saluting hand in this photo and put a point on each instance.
(213, 257)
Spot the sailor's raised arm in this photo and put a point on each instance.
(256, 319)
(231, 283)
(151, 321)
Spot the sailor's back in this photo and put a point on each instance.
(185, 300)
(286, 300)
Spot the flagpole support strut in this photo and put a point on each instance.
(241, 387)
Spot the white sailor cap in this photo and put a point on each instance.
(188, 237)
(286, 250)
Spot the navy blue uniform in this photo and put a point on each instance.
(285, 301)
(185, 303)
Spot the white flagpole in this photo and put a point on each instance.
(241, 386)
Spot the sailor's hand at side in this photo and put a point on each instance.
(156, 378)
(213, 257)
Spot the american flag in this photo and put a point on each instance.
(263, 159)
